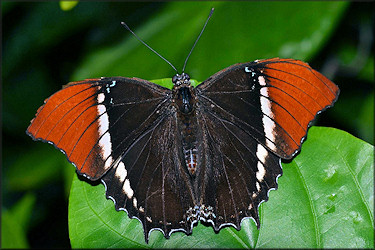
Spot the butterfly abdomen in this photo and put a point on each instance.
(191, 159)
(189, 140)
(185, 102)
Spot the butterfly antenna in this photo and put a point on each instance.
(139, 39)
(208, 18)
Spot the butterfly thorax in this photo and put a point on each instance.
(183, 96)
(184, 100)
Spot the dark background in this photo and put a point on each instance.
(44, 47)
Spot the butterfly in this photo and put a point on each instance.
(173, 157)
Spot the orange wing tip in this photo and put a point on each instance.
(70, 120)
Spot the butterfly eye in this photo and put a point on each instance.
(185, 76)
(175, 78)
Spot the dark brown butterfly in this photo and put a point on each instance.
(173, 157)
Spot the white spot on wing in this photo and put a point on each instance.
(258, 186)
(121, 172)
(108, 163)
(105, 145)
(102, 112)
(262, 81)
(101, 98)
(261, 154)
(268, 124)
(105, 140)
(265, 102)
(127, 189)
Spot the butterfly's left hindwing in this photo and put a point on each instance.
(149, 180)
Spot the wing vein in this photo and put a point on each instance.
(56, 107)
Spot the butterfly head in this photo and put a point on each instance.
(183, 79)
(183, 93)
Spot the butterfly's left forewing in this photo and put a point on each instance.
(122, 131)
(85, 119)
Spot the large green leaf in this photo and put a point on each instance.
(237, 32)
(325, 199)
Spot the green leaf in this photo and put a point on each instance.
(14, 223)
(237, 32)
(325, 199)
(23, 45)
(31, 171)
(360, 106)
(167, 82)
(367, 72)
(325, 196)
(68, 5)
(68, 173)
(7, 6)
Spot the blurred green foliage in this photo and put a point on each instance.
(44, 47)
(15, 223)
(68, 5)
